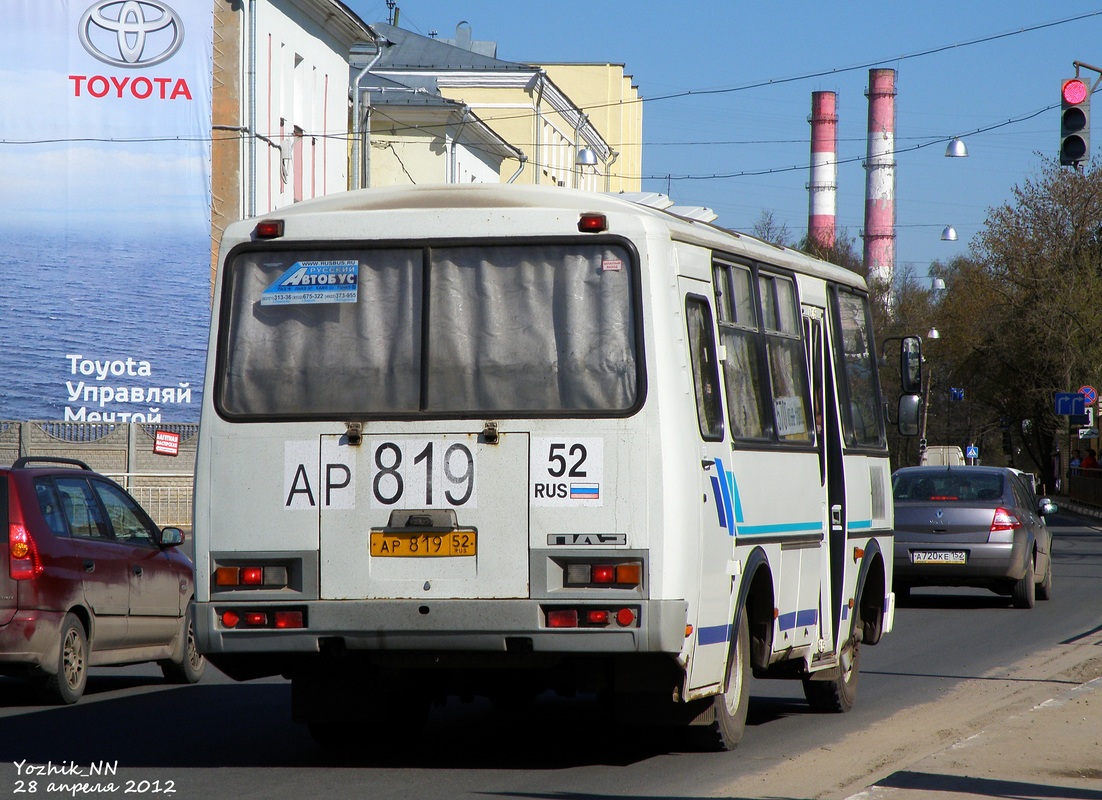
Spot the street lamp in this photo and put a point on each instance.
(956, 148)
(949, 234)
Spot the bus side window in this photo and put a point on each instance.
(705, 365)
(738, 331)
(863, 424)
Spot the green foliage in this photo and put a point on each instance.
(1020, 319)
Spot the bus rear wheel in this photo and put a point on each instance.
(836, 695)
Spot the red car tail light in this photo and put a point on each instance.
(24, 563)
(1004, 521)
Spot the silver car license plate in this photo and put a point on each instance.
(939, 557)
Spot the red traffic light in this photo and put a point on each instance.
(1075, 130)
(1074, 91)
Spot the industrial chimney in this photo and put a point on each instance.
(880, 179)
(823, 188)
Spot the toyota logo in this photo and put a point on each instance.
(131, 33)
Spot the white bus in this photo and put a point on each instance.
(496, 440)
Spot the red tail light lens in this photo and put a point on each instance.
(567, 618)
(592, 223)
(289, 619)
(23, 560)
(1004, 521)
(269, 229)
(604, 573)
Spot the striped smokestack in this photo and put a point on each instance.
(880, 179)
(823, 188)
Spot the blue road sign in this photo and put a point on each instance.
(972, 452)
(1068, 403)
(1089, 394)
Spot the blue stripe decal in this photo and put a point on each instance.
(725, 489)
(798, 619)
(860, 524)
(719, 502)
(738, 499)
(715, 634)
(784, 527)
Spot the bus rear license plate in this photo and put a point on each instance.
(419, 544)
(939, 557)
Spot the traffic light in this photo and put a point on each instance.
(1075, 122)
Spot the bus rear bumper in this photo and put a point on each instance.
(658, 626)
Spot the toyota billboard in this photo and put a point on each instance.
(105, 199)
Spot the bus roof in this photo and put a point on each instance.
(467, 197)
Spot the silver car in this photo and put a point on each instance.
(972, 526)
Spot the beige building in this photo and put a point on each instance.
(547, 114)
(308, 100)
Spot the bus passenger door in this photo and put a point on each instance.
(828, 438)
(711, 464)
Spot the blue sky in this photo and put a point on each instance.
(994, 63)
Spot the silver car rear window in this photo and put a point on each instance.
(948, 487)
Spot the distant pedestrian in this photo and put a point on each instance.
(1074, 462)
(1089, 464)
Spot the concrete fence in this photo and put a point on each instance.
(121, 450)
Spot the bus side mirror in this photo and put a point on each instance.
(910, 365)
(909, 407)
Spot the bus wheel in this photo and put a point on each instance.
(838, 694)
(725, 732)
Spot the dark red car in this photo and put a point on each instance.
(88, 579)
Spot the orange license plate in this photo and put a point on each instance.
(422, 544)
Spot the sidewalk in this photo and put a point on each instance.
(1052, 751)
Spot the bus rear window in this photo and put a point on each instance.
(456, 331)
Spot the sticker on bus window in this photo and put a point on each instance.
(790, 416)
(314, 282)
(567, 471)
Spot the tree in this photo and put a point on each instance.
(1020, 319)
(767, 229)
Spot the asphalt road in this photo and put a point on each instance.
(221, 739)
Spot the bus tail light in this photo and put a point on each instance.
(562, 618)
(269, 229)
(282, 619)
(255, 576)
(628, 574)
(592, 223)
(592, 617)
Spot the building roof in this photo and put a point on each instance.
(408, 50)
